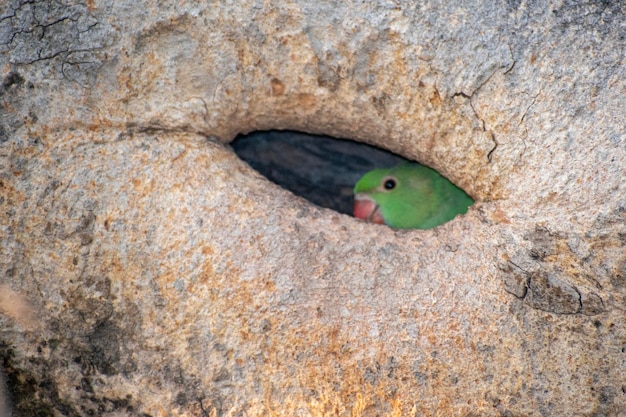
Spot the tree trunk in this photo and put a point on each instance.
(147, 270)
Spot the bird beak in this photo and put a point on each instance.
(366, 209)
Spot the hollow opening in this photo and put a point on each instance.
(321, 169)
(324, 170)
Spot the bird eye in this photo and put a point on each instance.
(390, 184)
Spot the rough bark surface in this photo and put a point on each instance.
(146, 270)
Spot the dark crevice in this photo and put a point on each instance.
(321, 169)
(513, 62)
(529, 106)
(202, 409)
(495, 146)
(483, 125)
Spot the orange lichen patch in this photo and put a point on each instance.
(167, 278)
(8, 190)
(435, 98)
(344, 389)
(98, 123)
(306, 100)
(499, 216)
(278, 87)
(269, 285)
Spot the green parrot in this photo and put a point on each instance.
(408, 196)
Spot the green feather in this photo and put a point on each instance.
(420, 197)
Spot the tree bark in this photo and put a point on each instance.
(146, 270)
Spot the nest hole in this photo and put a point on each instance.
(321, 169)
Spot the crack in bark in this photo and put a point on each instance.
(529, 106)
(46, 30)
(513, 59)
(551, 305)
(471, 95)
(483, 124)
(202, 409)
(547, 281)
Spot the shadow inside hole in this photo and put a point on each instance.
(321, 169)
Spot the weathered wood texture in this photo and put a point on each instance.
(146, 270)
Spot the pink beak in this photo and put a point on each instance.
(366, 209)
